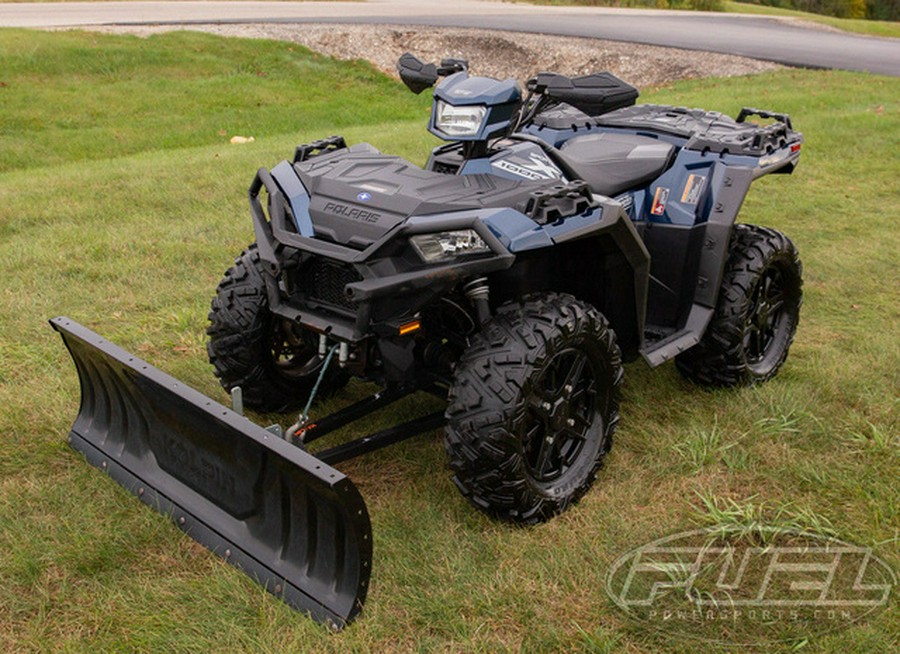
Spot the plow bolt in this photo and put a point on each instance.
(237, 400)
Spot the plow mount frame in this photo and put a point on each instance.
(287, 519)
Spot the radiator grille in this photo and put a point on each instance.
(323, 280)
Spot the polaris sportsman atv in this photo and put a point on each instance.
(559, 232)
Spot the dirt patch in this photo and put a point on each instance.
(495, 54)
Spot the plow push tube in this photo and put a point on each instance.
(293, 523)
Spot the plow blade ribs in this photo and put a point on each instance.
(294, 524)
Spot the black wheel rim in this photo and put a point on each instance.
(561, 415)
(294, 355)
(766, 315)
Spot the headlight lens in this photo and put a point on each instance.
(459, 121)
(444, 246)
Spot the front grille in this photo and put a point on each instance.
(323, 280)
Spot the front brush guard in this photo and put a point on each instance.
(290, 521)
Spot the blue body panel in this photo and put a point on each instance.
(673, 185)
(459, 89)
(683, 190)
(515, 231)
(500, 98)
(517, 161)
(689, 186)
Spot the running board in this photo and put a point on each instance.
(658, 352)
(288, 520)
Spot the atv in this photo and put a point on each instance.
(561, 230)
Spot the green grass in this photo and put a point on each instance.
(856, 25)
(130, 237)
(90, 96)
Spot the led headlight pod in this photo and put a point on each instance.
(445, 246)
(459, 121)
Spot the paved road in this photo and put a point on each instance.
(783, 41)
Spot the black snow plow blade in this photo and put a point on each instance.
(293, 523)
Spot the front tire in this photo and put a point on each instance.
(533, 408)
(756, 315)
(275, 363)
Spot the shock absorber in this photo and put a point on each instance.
(479, 294)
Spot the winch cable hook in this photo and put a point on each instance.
(295, 432)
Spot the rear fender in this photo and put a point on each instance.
(689, 260)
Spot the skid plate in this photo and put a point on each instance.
(293, 523)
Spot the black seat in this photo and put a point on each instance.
(612, 163)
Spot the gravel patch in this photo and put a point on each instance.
(494, 54)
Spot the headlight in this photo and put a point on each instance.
(445, 246)
(459, 121)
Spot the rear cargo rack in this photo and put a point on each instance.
(708, 131)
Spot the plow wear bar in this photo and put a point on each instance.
(293, 523)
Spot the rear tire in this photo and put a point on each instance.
(275, 363)
(533, 408)
(756, 315)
